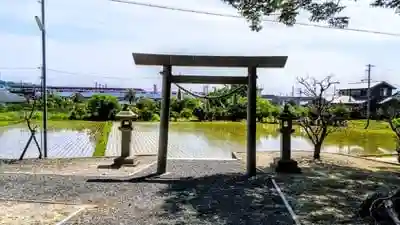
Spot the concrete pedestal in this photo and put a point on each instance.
(287, 166)
(125, 161)
(126, 135)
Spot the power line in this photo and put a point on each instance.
(19, 68)
(95, 75)
(265, 20)
(74, 73)
(85, 74)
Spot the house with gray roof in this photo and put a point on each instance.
(357, 93)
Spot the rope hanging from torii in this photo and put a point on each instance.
(210, 97)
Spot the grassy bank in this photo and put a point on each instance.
(20, 116)
(102, 139)
(9, 123)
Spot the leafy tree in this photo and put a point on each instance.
(79, 112)
(146, 103)
(146, 114)
(392, 113)
(176, 105)
(341, 111)
(275, 111)
(200, 113)
(287, 11)
(191, 103)
(186, 113)
(130, 95)
(77, 97)
(174, 115)
(103, 107)
(237, 111)
(263, 109)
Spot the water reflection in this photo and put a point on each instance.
(233, 136)
(192, 140)
(62, 143)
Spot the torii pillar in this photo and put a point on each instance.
(249, 62)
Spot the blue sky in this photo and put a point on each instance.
(96, 38)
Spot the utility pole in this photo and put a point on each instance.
(315, 86)
(369, 66)
(42, 26)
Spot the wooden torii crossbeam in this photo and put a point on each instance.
(250, 62)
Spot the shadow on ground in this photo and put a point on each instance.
(216, 199)
(330, 194)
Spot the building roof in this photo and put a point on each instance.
(395, 96)
(7, 97)
(364, 85)
(74, 87)
(209, 61)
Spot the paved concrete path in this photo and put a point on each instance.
(194, 192)
(145, 142)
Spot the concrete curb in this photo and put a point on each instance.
(373, 160)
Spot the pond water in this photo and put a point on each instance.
(189, 140)
(62, 143)
(233, 136)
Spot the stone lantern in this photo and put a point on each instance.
(126, 116)
(285, 164)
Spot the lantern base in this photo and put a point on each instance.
(125, 161)
(287, 166)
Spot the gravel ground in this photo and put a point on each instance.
(194, 192)
(34, 213)
(75, 166)
(331, 190)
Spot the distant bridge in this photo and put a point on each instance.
(86, 92)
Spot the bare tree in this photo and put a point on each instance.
(317, 123)
(32, 129)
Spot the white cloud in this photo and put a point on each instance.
(98, 37)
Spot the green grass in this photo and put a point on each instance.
(8, 123)
(20, 115)
(102, 139)
(373, 125)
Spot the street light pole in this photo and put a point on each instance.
(42, 26)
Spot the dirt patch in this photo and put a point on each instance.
(15, 213)
(329, 191)
(75, 167)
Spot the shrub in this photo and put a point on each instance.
(145, 114)
(58, 116)
(79, 112)
(186, 113)
(155, 117)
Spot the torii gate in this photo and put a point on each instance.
(251, 62)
